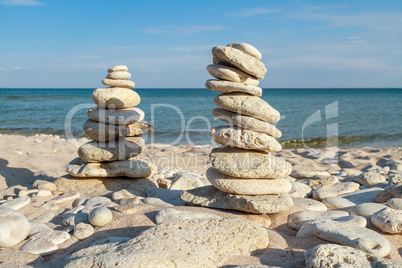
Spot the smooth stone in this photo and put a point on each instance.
(99, 186)
(297, 219)
(119, 75)
(395, 191)
(240, 60)
(246, 122)
(191, 243)
(121, 149)
(168, 196)
(118, 68)
(41, 247)
(100, 216)
(115, 97)
(223, 86)
(333, 255)
(120, 117)
(299, 190)
(247, 105)
(395, 203)
(309, 174)
(370, 178)
(74, 219)
(187, 181)
(55, 237)
(96, 202)
(24, 193)
(366, 209)
(305, 230)
(106, 132)
(129, 168)
(244, 139)
(43, 193)
(356, 237)
(388, 220)
(247, 48)
(209, 196)
(248, 164)
(172, 214)
(16, 203)
(241, 186)
(118, 83)
(14, 227)
(153, 201)
(67, 197)
(335, 190)
(309, 204)
(39, 228)
(44, 218)
(44, 185)
(83, 230)
(132, 208)
(123, 194)
(315, 184)
(346, 201)
(110, 240)
(231, 74)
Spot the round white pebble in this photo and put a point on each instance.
(100, 216)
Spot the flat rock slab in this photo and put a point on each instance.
(168, 196)
(366, 209)
(309, 174)
(395, 203)
(119, 75)
(333, 255)
(335, 190)
(14, 227)
(223, 86)
(388, 220)
(106, 132)
(121, 149)
(297, 219)
(209, 196)
(244, 139)
(395, 191)
(346, 201)
(235, 185)
(249, 164)
(247, 105)
(128, 168)
(356, 237)
(16, 203)
(231, 74)
(115, 97)
(192, 243)
(309, 204)
(172, 214)
(240, 60)
(116, 117)
(118, 68)
(246, 122)
(118, 83)
(247, 48)
(370, 178)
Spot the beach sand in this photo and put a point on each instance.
(26, 159)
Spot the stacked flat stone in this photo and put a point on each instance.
(245, 164)
(116, 127)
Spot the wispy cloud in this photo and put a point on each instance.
(251, 12)
(184, 30)
(21, 3)
(2, 69)
(16, 68)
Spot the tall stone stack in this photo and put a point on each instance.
(245, 173)
(116, 127)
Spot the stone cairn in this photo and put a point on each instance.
(245, 174)
(116, 128)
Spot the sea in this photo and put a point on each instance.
(346, 117)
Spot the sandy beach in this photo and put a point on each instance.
(45, 157)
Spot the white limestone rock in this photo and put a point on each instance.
(115, 97)
(223, 86)
(120, 117)
(14, 227)
(335, 190)
(231, 74)
(172, 214)
(297, 219)
(100, 216)
(388, 220)
(247, 48)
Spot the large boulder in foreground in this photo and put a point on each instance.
(192, 243)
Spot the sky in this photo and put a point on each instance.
(167, 44)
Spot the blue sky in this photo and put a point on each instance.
(167, 44)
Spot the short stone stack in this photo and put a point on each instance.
(116, 128)
(245, 173)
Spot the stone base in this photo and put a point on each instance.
(209, 196)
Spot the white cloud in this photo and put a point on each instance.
(16, 68)
(251, 12)
(2, 69)
(184, 30)
(21, 3)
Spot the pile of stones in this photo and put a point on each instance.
(116, 128)
(244, 169)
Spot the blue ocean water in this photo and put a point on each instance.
(356, 117)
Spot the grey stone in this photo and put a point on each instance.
(115, 97)
(168, 196)
(335, 190)
(297, 219)
(309, 204)
(14, 227)
(249, 164)
(116, 117)
(243, 186)
(156, 202)
(100, 216)
(244, 139)
(83, 230)
(247, 105)
(395, 203)
(346, 201)
(209, 196)
(356, 237)
(223, 86)
(366, 209)
(197, 243)
(41, 247)
(171, 214)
